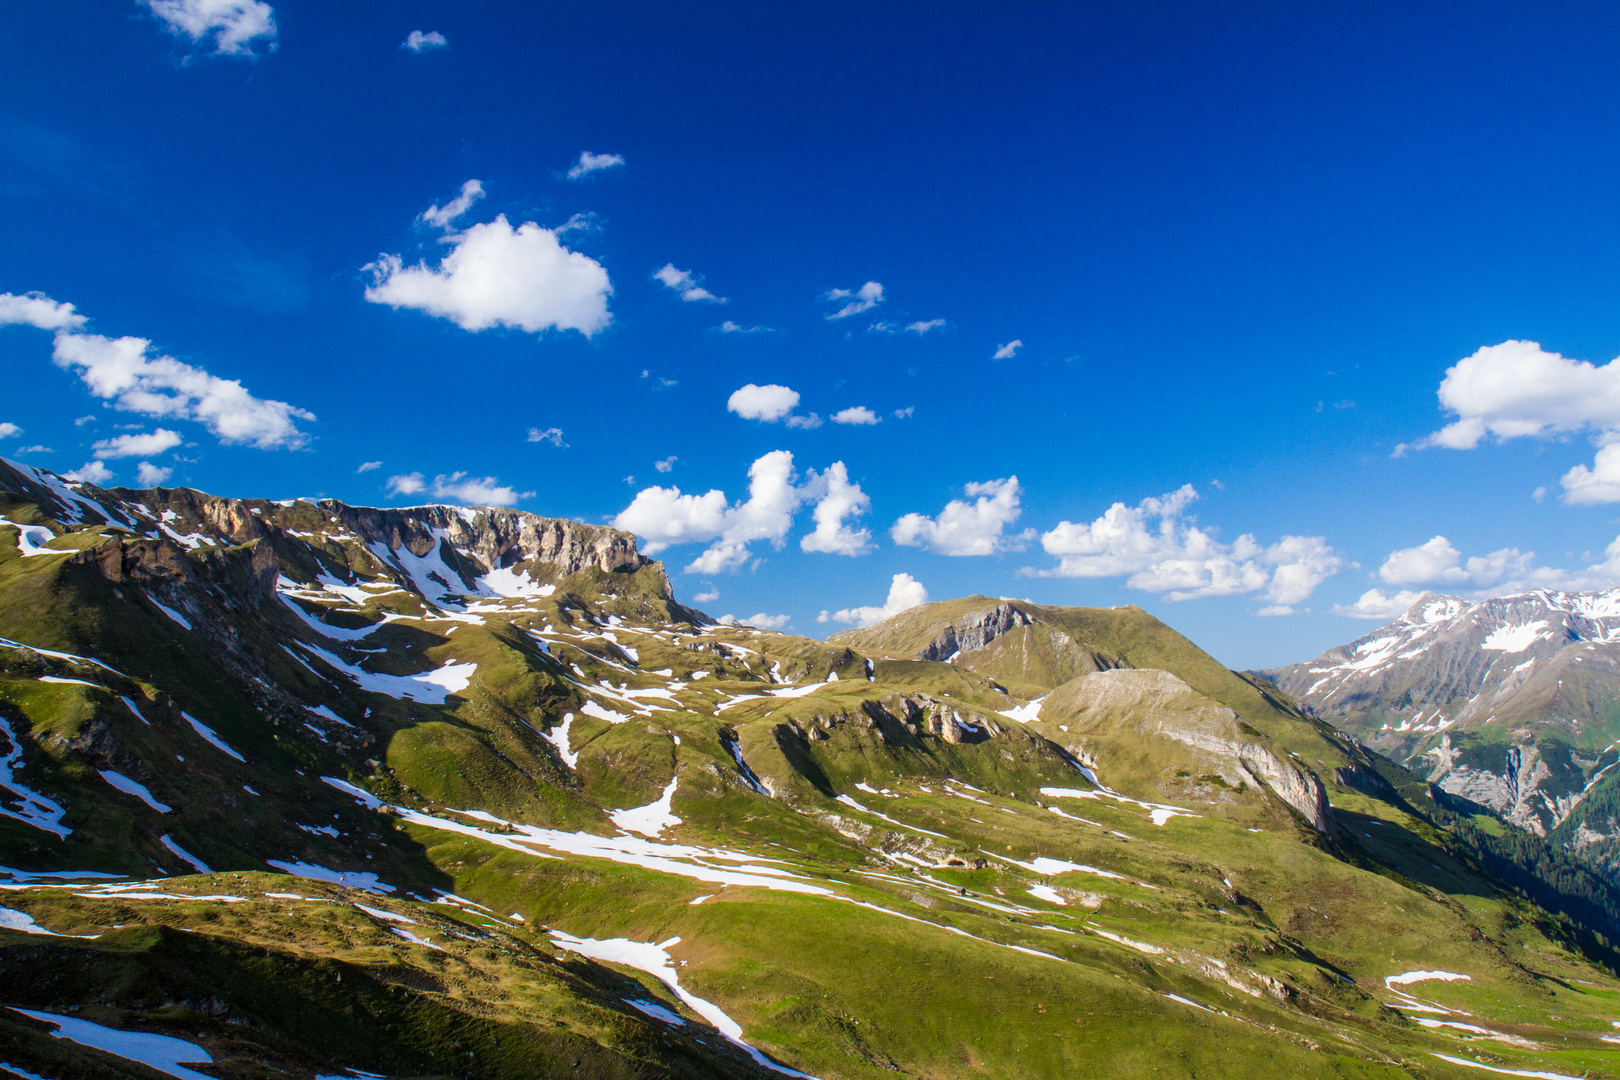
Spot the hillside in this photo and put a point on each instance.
(464, 791)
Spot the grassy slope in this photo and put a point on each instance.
(840, 989)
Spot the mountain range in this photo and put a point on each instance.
(1512, 702)
(294, 788)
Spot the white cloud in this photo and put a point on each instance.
(768, 403)
(37, 309)
(1185, 562)
(856, 414)
(83, 420)
(905, 592)
(481, 492)
(367, 466)
(552, 435)
(440, 217)
(1275, 609)
(1539, 494)
(408, 484)
(865, 298)
(589, 163)
(495, 275)
(1599, 484)
(1374, 604)
(233, 25)
(1004, 352)
(1437, 562)
(729, 327)
(91, 472)
(1517, 390)
(8, 430)
(419, 42)
(666, 465)
(36, 449)
(836, 499)
(663, 516)
(921, 328)
(905, 413)
(761, 620)
(686, 283)
(809, 422)
(149, 475)
(142, 445)
(707, 596)
(121, 369)
(964, 528)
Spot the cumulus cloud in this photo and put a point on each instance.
(1157, 549)
(686, 283)
(440, 217)
(37, 309)
(419, 42)
(769, 404)
(408, 484)
(589, 163)
(920, 328)
(865, 298)
(141, 445)
(552, 435)
(856, 414)
(905, 592)
(1519, 390)
(1599, 484)
(663, 517)
(1438, 562)
(91, 472)
(368, 466)
(836, 499)
(667, 464)
(8, 430)
(123, 371)
(1004, 352)
(485, 491)
(231, 26)
(761, 621)
(1374, 604)
(729, 327)
(149, 475)
(968, 528)
(495, 275)
(905, 413)
(707, 596)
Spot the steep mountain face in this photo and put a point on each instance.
(326, 790)
(1513, 703)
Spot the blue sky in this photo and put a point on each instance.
(1274, 252)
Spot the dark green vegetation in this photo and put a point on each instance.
(983, 838)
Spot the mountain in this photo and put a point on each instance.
(1512, 702)
(295, 788)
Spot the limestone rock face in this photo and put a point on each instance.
(495, 539)
(973, 631)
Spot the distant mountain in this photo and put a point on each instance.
(1512, 702)
(311, 789)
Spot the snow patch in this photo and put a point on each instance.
(652, 819)
(158, 1052)
(130, 787)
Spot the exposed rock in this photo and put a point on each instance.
(973, 631)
